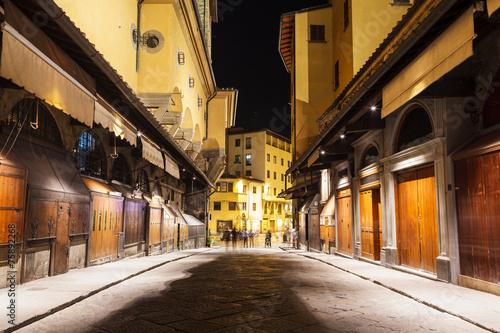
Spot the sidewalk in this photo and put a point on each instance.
(479, 308)
(42, 297)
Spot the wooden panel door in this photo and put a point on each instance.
(478, 209)
(314, 235)
(97, 238)
(12, 201)
(417, 220)
(407, 224)
(427, 219)
(155, 226)
(61, 248)
(344, 226)
(366, 214)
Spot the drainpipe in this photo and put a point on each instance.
(206, 113)
(138, 48)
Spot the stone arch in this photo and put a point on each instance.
(370, 155)
(415, 126)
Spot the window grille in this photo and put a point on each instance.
(91, 157)
(121, 170)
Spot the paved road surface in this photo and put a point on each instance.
(248, 290)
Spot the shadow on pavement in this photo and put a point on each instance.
(237, 292)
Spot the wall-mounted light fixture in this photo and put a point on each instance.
(191, 82)
(147, 39)
(200, 102)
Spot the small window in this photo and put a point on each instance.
(91, 156)
(244, 189)
(282, 177)
(248, 173)
(274, 174)
(268, 174)
(371, 156)
(230, 187)
(248, 143)
(416, 129)
(237, 173)
(337, 75)
(218, 187)
(249, 159)
(244, 206)
(237, 142)
(288, 163)
(142, 181)
(217, 205)
(121, 170)
(274, 159)
(282, 162)
(157, 189)
(223, 187)
(237, 159)
(268, 157)
(275, 191)
(346, 14)
(317, 33)
(254, 205)
(255, 190)
(232, 206)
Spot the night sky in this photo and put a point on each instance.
(245, 56)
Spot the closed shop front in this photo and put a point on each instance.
(344, 221)
(371, 224)
(327, 226)
(107, 221)
(155, 222)
(477, 189)
(417, 219)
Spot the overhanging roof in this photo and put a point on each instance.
(109, 83)
(287, 26)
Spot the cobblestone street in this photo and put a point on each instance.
(255, 290)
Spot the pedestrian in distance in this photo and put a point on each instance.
(268, 238)
(251, 236)
(244, 235)
(226, 236)
(234, 236)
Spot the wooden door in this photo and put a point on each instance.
(107, 223)
(366, 214)
(478, 211)
(155, 218)
(417, 220)
(344, 225)
(12, 202)
(134, 225)
(371, 230)
(314, 235)
(61, 247)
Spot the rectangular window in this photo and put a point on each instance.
(217, 187)
(237, 173)
(288, 163)
(249, 159)
(282, 162)
(317, 33)
(244, 189)
(268, 157)
(232, 206)
(230, 187)
(254, 206)
(248, 173)
(337, 75)
(223, 187)
(275, 191)
(255, 189)
(268, 174)
(216, 205)
(274, 159)
(237, 142)
(282, 177)
(274, 174)
(346, 14)
(237, 159)
(248, 143)
(244, 206)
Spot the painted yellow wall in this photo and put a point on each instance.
(160, 73)
(113, 35)
(372, 21)
(313, 75)
(220, 114)
(342, 41)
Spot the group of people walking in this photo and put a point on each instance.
(248, 237)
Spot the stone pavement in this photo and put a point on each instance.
(479, 308)
(254, 290)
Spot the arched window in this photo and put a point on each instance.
(142, 181)
(121, 170)
(416, 129)
(157, 189)
(371, 156)
(91, 157)
(25, 113)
